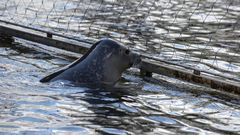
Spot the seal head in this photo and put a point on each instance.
(102, 64)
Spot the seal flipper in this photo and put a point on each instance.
(58, 72)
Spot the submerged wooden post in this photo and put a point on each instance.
(49, 35)
(4, 38)
(143, 73)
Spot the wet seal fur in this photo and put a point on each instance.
(102, 64)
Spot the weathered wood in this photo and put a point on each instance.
(172, 71)
(46, 40)
(147, 67)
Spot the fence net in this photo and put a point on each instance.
(203, 34)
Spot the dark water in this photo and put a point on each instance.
(30, 107)
(203, 34)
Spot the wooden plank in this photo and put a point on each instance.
(150, 66)
(147, 67)
(46, 39)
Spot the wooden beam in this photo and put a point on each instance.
(148, 66)
(46, 39)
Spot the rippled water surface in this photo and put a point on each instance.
(203, 34)
(30, 107)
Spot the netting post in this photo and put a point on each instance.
(49, 35)
(145, 73)
(4, 38)
(196, 72)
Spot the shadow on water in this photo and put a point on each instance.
(111, 111)
(134, 107)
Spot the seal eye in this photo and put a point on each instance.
(127, 52)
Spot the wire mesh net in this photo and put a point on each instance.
(203, 34)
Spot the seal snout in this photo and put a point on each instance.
(135, 59)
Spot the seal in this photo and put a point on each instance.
(104, 63)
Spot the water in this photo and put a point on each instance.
(203, 34)
(30, 107)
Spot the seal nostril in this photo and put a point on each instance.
(139, 60)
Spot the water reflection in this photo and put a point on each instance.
(30, 107)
